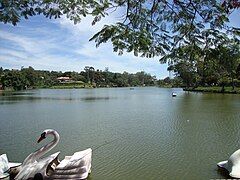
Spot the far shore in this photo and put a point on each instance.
(214, 89)
(86, 86)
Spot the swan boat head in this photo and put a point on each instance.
(47, 132)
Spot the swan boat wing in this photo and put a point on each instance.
(77, 166)
(4, 165)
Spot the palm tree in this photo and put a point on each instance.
(87, 68)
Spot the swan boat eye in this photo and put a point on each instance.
(43, 135)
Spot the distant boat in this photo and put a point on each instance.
(174, 94)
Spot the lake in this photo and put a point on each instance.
(138, 134)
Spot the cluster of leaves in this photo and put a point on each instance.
(230, 5)
(29, 78)
(12, 11)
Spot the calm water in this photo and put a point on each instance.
(147, 133)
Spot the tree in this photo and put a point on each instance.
(188, 73)
(31, 76)
(14, 79)
(87, 69)
(148, 27)
(229, 58)
(92, 73)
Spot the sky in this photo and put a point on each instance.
(59, 45)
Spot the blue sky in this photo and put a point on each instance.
(61, 46)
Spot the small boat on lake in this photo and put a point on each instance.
(174, 94)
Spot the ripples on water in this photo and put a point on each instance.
(152, 135)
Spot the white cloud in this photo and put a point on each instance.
(13, 53)
(31, 45)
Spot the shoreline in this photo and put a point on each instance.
(70, 87)
(218, 90)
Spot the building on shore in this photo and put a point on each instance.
(64, 79)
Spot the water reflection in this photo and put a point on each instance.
(16, 93)
(17, 97)
(223, 173)
(95, 98)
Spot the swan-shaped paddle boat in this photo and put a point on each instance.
(77, 166)
(232, 165)
(7, 168)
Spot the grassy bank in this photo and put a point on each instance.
(71, 86)
(227, 90)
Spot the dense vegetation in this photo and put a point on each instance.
(185, 75)
(28, 78)
(217, 65)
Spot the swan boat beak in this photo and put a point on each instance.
(40, 139)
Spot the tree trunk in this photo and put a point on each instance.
(232, 83)
(204, 73)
